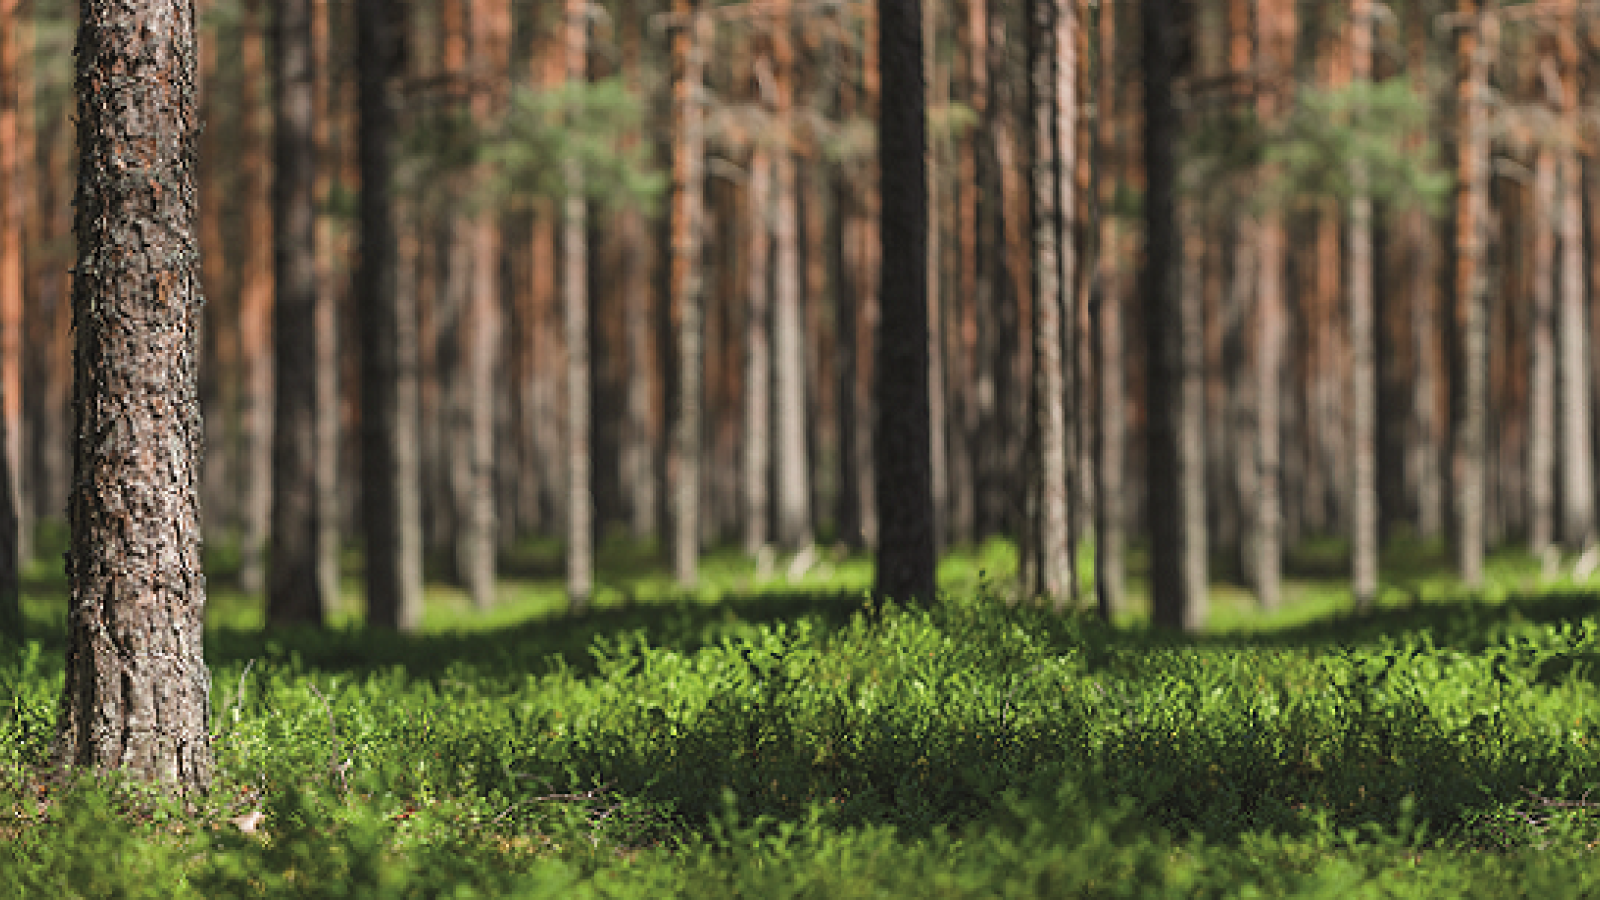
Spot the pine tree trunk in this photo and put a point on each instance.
(1577, 456)
(255, 311)
(901, 442)
(575, 290)
(1475, 48)
(1363, 346)
(758, 357)
(1045, 553)
(689, 47)
(1107, 347)
(137, 691)
(641, 435)
(12, 187)
(391, 486)
(1542, 356)
(294, 592)
(331, 295)
(794, 497)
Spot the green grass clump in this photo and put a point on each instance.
(790, 738)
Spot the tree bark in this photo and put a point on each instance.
(794, 491)
(12, 189)
(1363, 346)
(904, 488)
(757, 466)
(1475, 48)
(294, 592)
(575, 289)
(391, 485)
(1108, 349)
(1177, 596)
(689, 47)
(137, 691)
(1045, 553)
(1542, 356)
(255, 311)
(1577, 456)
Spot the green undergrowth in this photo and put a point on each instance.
(810, 743)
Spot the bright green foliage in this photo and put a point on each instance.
(814, 746)
(587, 121)
(1365, 124)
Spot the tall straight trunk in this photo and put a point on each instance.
(391, 482)
(1577, 456)
(1177, 583)
(12, 191)
(1542, 357)
(794, 488)
(137, 691)
(1276, 29)
(936, 93)
(641, 440)
(575, 292)
(904, 489)
(330, 296)
(757, 467)
(689, 47)
(1072, 181)
(1476, 44)
(1045, 555)
(1109, 352)
(1425, 429)
(1363, 346)
(255, 311)
(294, 592)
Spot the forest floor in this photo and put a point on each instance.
(777, 736)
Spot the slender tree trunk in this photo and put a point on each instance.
(255, 312)
(1109, 352)
(391, 485)
(294, 592)
(936, 93)
(1045, 553)
(575, 289)
(689, 47)
(331, 295)
(1542, 356)
(904, 488)
(137, 691)
(1276, 27)
(758, 358)
(1363, 346)
(641, 434)
(1577, 456)
(794, 497)
(1475, 49)
(12, 188)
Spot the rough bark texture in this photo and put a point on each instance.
(689, 46)
(757, 461)
(901, 444)
(1363, 346)
(137, 691)
(575, 291)
(1045, 552)
(391, 487)
(1176, 601)
(1475, 48)
(294, 591)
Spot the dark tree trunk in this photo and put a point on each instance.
(1177, 600)
(1363, 347)
(1108, 350)
(391, 488)
(757, 467)
(137, 691)
(903, 479)
(294, 591)
(1045, 556)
